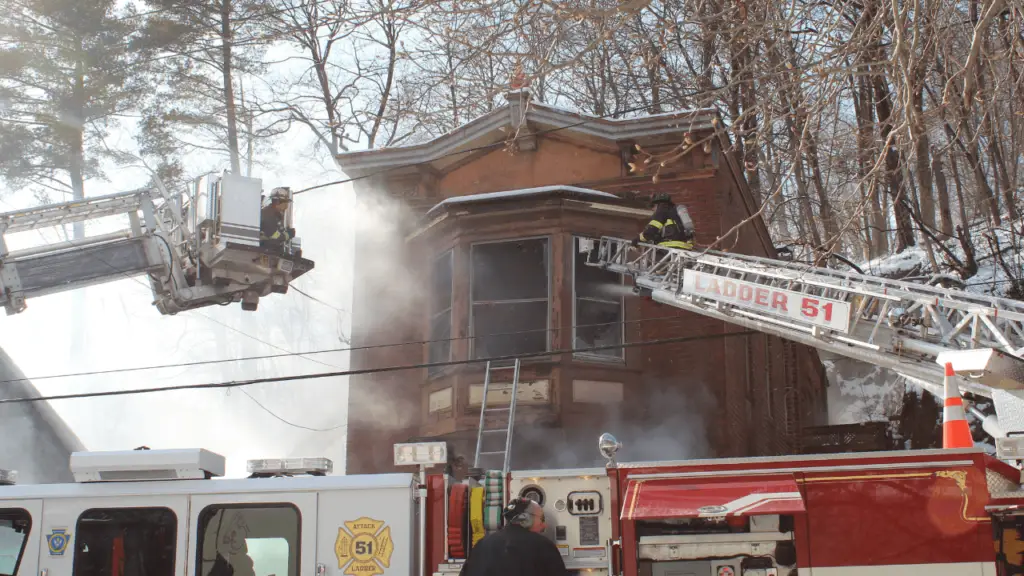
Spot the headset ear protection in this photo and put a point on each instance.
(516, 510)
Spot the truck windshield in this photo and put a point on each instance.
(14, 528)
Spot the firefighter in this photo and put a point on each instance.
(668, 228)
(273, 232)
(518, 549)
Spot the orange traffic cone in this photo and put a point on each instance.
(955, 431)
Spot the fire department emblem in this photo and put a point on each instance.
(364, 547)
(57, 541)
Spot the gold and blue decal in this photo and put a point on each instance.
(57, 541)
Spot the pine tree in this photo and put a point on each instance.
(209, 47)
(68, 70)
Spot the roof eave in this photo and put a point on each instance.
(486, 130)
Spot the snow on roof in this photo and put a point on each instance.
(470, 198)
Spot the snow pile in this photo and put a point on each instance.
(861, 392)
(995, 276)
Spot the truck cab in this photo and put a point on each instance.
(165, 513)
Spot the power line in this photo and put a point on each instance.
(315, 299)
(341, 373)
(271, 412)
(332, 350)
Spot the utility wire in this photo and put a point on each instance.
(315, 299)
(341, 373)
(332, 350)
(293, 424)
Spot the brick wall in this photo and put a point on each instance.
(750, 392)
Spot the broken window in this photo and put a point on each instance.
(598, 298)
(440, 347)
(510, 293)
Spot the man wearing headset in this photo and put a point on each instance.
(518, 549)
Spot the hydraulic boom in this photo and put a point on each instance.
(198, 247)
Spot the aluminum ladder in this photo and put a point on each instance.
(482, 431)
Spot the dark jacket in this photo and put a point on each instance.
(514, 551)
(664, 229)
(272, 228)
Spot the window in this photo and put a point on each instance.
(440, 347)
(597, 318)
(248, 540)
(125, 542)
(510, 291)
(15, 524)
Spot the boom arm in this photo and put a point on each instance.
(198, 248)
(906, 327)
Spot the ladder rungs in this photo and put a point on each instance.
(496, 430)
(496, 410)
(491, 453)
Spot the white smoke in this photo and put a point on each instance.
(665, 419)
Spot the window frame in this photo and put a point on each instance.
(620, 357)
(201, 528)
(5, 512)
(166, 509)
(432, 316)
(547, 299)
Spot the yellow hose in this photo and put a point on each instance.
(476, 513)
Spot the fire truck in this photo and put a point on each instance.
(954, 511)
(166, 513)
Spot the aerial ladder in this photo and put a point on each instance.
(197, 247)
(912, 329)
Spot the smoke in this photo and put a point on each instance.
(35, 441)
(391, 286)
(664, 419)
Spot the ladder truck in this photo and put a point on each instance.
(197, 247)
(912, 329)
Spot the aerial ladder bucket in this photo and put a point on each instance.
(197, 247)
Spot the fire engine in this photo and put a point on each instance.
(955, 511)
(165, 513)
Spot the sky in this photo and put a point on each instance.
(115, 326)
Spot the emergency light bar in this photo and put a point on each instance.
(421, 454)
(290, 466)
(8, 477)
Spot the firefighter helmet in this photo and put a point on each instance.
(280, 194)
(662, 198)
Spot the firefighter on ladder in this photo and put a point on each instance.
(273, 232)
(670, 225)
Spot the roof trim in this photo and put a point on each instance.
(520, 193)
(486, 131)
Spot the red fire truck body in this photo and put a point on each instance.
(934, 512)
(929, 512)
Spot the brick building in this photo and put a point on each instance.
(469, 239)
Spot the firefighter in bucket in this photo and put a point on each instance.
(670, 225)
(274, 231)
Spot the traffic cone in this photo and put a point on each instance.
(955, 431)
